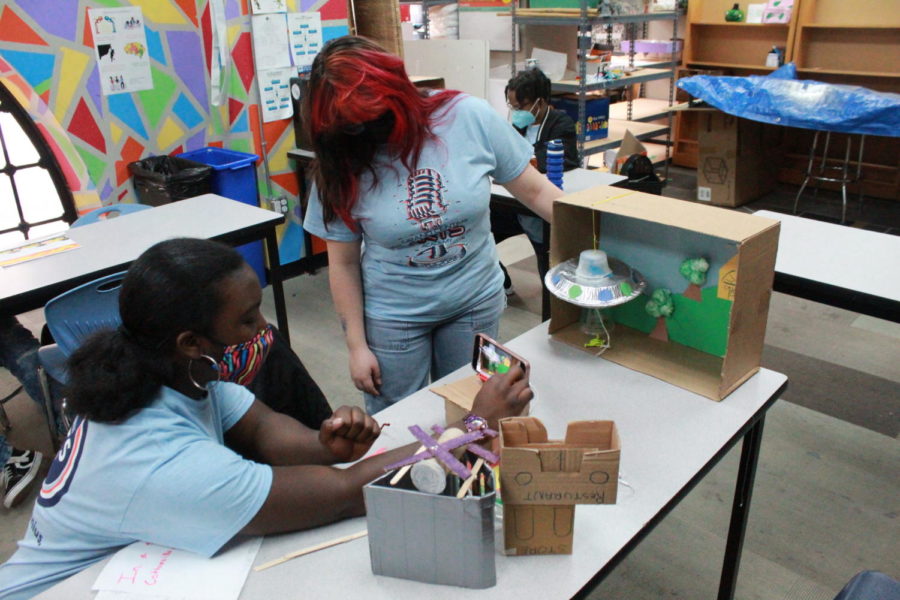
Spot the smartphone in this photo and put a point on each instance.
(490, 358)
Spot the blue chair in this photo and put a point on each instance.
(109, 212)
(71, 318)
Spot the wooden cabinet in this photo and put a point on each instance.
(713, 42)
(860, 38)
(855, 42)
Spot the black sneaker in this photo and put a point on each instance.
(18, 474)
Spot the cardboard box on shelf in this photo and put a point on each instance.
(583, 468)
(713, 340)
(737, 158)
(435, 538)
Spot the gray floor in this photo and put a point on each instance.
(827, 493)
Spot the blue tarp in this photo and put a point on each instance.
(782, 99)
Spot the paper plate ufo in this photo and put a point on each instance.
(594, 281)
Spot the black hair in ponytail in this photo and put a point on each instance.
(169, 289)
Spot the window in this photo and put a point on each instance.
(34, 198)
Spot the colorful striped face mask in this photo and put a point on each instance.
(242, 362)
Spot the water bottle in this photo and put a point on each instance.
(555, 162)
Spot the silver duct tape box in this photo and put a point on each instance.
(433, 538)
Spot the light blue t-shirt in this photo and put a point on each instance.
(429, 254)
(164, 476)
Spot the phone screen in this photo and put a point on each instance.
(491, 358)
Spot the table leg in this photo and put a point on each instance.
(740, 510)
(275, 277)
(543, 266)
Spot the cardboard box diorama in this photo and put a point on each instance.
(712, 339)
(737, 158)
(541, 481)
(433, 538)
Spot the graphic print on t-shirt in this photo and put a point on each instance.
(440, 242)
(64, 465)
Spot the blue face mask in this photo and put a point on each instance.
(522, 118)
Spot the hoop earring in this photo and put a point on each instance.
(215, 366)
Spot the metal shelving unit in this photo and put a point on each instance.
(585, 21)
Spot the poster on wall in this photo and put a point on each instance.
(270, 42)
(305, 31)
(274, 93)
(267, 6)
(120, 45)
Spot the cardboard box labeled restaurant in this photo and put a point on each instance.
(713, 340)
(581, 469)
(435, 538)
(737, 160)
(530, 529)
(541, 481)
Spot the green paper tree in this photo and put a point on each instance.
(661, 307)
(694, 270)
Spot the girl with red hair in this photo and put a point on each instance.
(401, 195)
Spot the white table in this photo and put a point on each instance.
(842, 266)
(110, 246)
(670, 439)
(575, 180)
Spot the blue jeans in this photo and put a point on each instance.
(18, 353)
(409, 353)
(870, 585)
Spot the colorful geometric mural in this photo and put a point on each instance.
(47, 61)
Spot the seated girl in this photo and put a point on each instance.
(166, 449)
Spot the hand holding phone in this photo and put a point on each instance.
(490, 358)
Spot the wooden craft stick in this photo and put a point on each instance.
(311, 549)
(468, 483)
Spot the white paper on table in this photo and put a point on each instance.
(270, 41)
(144, 570)
(275, 93)
(107, 595)
(305, 32)
(553, 64)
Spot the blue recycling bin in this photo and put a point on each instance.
(234, 176)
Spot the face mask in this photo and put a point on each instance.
(523, 118)
(242, 362)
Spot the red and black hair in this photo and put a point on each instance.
(360, 96)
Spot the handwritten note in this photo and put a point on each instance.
(154, 572)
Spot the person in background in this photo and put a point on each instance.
(18, 354)
(166, 449)
(406, 175)
(528, 99)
